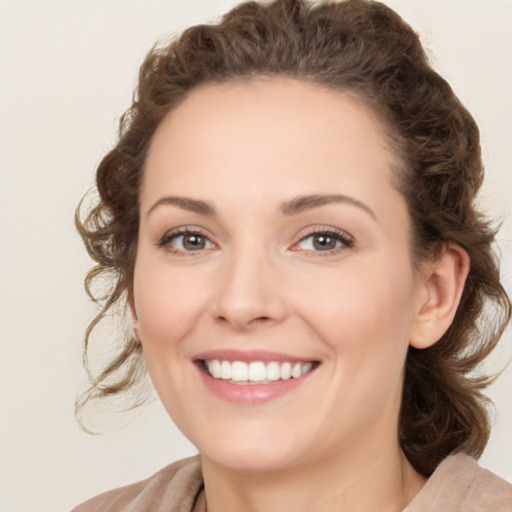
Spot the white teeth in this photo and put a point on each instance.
(286, 371)
(296, 371)
(225, 370)
(273, 371)
(257, 371)
(307, 368)
(215, 369)
(239, 371)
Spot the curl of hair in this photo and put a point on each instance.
(364, 48)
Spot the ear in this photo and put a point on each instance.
(133, 314)
(441, 285)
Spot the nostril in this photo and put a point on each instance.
(243, 324)
(261, 319)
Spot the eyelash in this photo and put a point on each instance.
(168, 238)
(345, 241)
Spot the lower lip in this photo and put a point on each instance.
(251, 394)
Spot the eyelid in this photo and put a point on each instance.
(340, 235)
(346, 240)
(165, 240)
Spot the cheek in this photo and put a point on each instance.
(364, 322)
(167, 304)
(365, 312)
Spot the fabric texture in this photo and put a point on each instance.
(175, 488)
(459, 484)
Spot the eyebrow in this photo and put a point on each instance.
(185, 203)
(302, 203)
(293, 206)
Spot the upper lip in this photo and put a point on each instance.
(249, 356)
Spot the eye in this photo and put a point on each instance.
(324, 241)
(186, 241)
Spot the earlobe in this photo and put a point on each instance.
(441, 289)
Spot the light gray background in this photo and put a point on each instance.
(67, 70)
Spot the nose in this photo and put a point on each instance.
(250, 293)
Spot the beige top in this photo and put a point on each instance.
(459, 484)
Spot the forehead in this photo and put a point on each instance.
(273, 134)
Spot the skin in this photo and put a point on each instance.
(259, 282)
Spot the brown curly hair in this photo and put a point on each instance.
(364, 48)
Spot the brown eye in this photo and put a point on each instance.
(186, 241)
(193, 242)
(324, 242)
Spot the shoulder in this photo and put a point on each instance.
(177, 484)
(460, 484)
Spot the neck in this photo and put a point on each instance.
(375, 480)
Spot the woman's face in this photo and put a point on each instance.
(273, 291)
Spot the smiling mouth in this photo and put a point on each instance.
(256, 372)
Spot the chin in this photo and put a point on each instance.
(250, 450)
(245, 459)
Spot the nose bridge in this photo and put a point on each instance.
(249, 293)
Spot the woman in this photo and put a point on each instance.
(289, 216)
